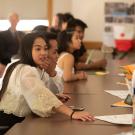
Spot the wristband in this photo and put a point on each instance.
(72, 114)
(53, 74)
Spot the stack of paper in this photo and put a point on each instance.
(119, 93)
(125, 133)
(117, 119)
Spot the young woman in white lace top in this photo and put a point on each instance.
(23, 91)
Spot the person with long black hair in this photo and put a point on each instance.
(68, 42)
(23, 91)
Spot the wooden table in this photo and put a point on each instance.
(61, 125)
(95, 84)
(89, 94)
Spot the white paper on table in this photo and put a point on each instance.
(117, 119)
(125, 133)
(119, 93)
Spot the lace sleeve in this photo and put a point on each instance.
(40, 99)
(59, 83)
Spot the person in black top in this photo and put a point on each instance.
(10, 42)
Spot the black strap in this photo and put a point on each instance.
(71, 115)
(6, 78)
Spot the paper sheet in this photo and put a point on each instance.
(117, 119)
(119, 93)
(125, 133)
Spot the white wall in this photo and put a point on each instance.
(27, 9)
(90, 11)
(61, 6)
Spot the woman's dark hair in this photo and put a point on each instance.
(61, 20)
(68, 16)
(50, 36)
(26, 48)
(40, 28)
(53, 30)
(25, 58)
(77, 22)
(64, 38)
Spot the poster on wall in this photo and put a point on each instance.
(119, 24)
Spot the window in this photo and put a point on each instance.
(23, 25)
(31, 12)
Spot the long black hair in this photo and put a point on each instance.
(25, 58)
(26, 48)
(64, 40)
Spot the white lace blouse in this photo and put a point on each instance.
(55, 84)
(27, 93)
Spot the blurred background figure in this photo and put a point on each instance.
(60, 21)
(10, 42)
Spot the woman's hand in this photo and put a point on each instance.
(51, 68)
(100, 64)
(45, 64)
(77, 115)
(83, 116)
(63, 97)
(81, 75)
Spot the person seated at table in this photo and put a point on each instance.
(23, 91)
(68, 42)
(55, 84)
(81, 54)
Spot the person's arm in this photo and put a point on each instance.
(63, 97)
(58, 82)
(68, 66)
(83, 58)
(100, 64)
(51, 67)
(55, 83)
(79, 115)
(41, 100)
